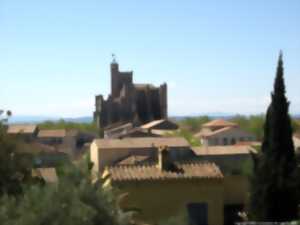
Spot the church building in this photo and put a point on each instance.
(129, 102)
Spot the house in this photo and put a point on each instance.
(63, 140)
(27, 132)
(232, 159)
(195, 188)
(107, 152)
(222, 132)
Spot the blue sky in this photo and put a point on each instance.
(216, 56)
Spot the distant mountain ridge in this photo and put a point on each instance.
(40, 119)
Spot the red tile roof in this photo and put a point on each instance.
(188, 170)
(219, 123)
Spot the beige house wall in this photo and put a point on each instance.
(94, 157)
(161, 200)
(234, 134)
(236, 190)
(107, 157)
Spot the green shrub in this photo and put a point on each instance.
(74, 200)
(62, 124)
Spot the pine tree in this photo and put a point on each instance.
(274, 185)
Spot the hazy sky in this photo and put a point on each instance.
(216, 56)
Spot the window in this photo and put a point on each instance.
(216, 141)
(232, 141)
(225, 141)
(197, 213)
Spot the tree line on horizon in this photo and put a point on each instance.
(253, 124)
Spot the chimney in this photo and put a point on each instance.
(164, 161)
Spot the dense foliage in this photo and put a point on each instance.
(187, 135)
(252, 124)
(62, 124)
(274, 185)
(193, 124)
(10, 175)
(74, 200)
(15, 170)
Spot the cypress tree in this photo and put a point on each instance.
(274, 184)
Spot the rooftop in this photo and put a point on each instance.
(21, 129)
(158, 124)
(188, 170)
(219, 123)
(208, 134)
(224, 150)
(117, 127)
(143, 142)
(139, 132)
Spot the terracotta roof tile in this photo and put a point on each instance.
(208, 134)
(219, 123)
(188, 170)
